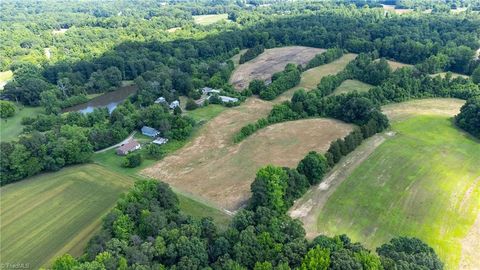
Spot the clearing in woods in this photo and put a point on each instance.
(352, 85)
(269, 62)
(69, 204)
(11, 127)
(209, 19)
(429, 187)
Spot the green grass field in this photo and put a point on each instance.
(209, 19)
(312, 77)
(55, 213)
(11, 127)
(204, 114)
(50, 214)
(351, 85)
(423, 182)
(5, 76)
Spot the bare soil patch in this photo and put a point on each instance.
(269, 62)
(215, 169)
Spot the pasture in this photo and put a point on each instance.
(11, 127)
(69, 204)
(269, 62)
(429, 188)
(352, 85)
(396, 65)
(209, 19)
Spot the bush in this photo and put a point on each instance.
(191, 105)
(7, 109)
(155, 151)
(313, 166)
(133, 160)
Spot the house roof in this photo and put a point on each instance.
(130, 145)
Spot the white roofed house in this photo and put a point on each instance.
(128, 147)
(209, 91)
(228, 99)
(174, 104)
(160, 100)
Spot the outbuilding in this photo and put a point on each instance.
(150, 132)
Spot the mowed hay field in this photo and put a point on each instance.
(215, 169)
(424, 182)
(54, 213)
(209, 19)
(269, 62)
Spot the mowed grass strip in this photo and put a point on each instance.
(209, 19)
(44, 214)
(352, 85)
(11, 127)
(423, 182)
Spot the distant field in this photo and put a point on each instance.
(11, 127)
(352, 85)
(423, 182)
(396, 10)
(204, 114)
(209, 19)
(272, 60)
(396, 65)
(50, 214)
(454, 75)
(5, 76)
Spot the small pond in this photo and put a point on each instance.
(109, 100)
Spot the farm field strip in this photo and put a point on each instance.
(270, 61)
(415, 184)
(352, 85)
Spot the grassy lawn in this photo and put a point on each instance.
(454, 75)
(11, 127)
(209, 19)
(351, 85)
(204, 114)
(53, 213)
(423, 182)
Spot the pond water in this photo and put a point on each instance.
(109, 100)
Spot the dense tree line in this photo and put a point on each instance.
(7, 109)
(251, 53)
(146, 230)
(324, 58)
(469, 116)
(281, 82)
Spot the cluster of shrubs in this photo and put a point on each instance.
(281, 82)
(251, 53)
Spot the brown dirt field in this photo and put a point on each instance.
(215, 169)
(272, 60)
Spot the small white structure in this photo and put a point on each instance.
(174, 104)
(228, 99)
(160, 141)
(209, 91)
(160, 100)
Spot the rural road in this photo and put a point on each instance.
(307, 208)
(118, 144)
